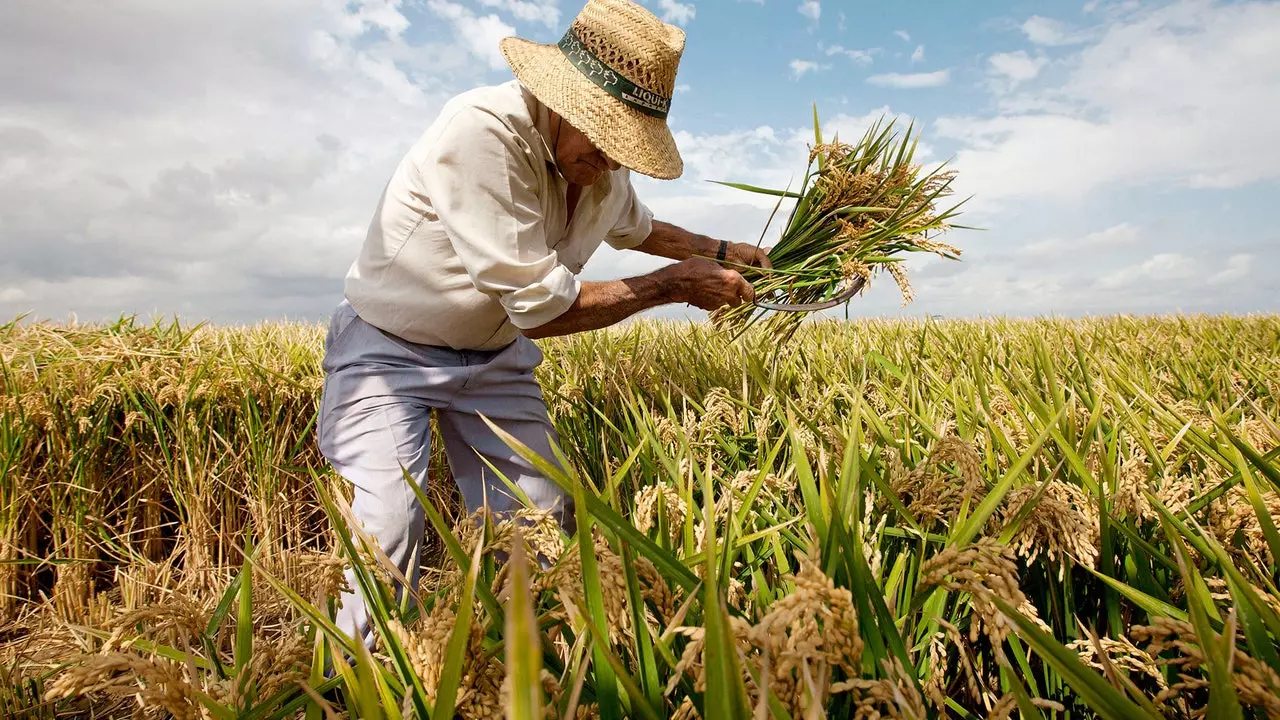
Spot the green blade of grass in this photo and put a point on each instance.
(965, 533)
(1153, 606)
(523, 651)
(456, 650)
(1223, 701)
(243, 652)
(1093, 689)
(759, 190)
(487, 598)
(648, 666)
(606, 680)
(725, 696)
(1260, 510)
(670, 567)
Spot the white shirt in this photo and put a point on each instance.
(469, 243)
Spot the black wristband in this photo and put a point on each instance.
(724, 248)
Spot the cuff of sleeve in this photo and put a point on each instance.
(635, 235)
(543, 301)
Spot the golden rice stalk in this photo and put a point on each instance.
(985, 570)
(861, 207)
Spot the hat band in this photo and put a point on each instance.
(646, 101)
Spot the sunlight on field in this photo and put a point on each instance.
(916, 519)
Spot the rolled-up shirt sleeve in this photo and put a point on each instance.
(634, 223)
(482, 186)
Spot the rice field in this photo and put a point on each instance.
(908, 519)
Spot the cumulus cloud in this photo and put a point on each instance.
(1158, 268)
(911, 80)
(859, 57)
(480, 33)
(1119, 235)
(676, 12)
(1238, 266)
(811, 9)
(532, 11)
(222, 160)
(1114, 122)
(1016, 67)
(801, 67)
(906, 36)
(208, 159)
(1048, 31)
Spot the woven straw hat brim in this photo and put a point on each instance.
(635, 140)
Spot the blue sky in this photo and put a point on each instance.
(221, 160)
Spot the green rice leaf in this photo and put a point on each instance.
(455, 654)
(760, 190)
(523, 649)
(1223, 702)
(1153, 606)
(1093, 689)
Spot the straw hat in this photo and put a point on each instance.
(611, 77)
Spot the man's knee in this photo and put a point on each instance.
(394, 523)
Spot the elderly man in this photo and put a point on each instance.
(473, 253)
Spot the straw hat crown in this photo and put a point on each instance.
(611, 76)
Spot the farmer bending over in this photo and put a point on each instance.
(473, 253)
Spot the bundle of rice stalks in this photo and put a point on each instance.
(859, 209)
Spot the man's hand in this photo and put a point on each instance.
(706, 285)
(749, 255)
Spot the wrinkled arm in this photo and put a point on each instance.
(670, 241)
(601, 304)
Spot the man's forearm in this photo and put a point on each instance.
(601, 304)
(668, 241)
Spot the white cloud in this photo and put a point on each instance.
(1116, 121)
(535, 11)
(918, 55)
(911, 80)
(762, 156)
(481, 34)
(268, 131)
(860, 57)
(224, 157)
(799, 68)
(676, 12)
(1162, 267)
(682, 88)
(1117, 236)
(1017, 67)
(382, 14)
(1047, 31)
(1238, 266)
(811, 9)
(906, 36)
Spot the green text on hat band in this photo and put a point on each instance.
(611, 81)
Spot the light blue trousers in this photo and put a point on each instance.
(379, 393)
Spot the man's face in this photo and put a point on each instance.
(580, 161)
